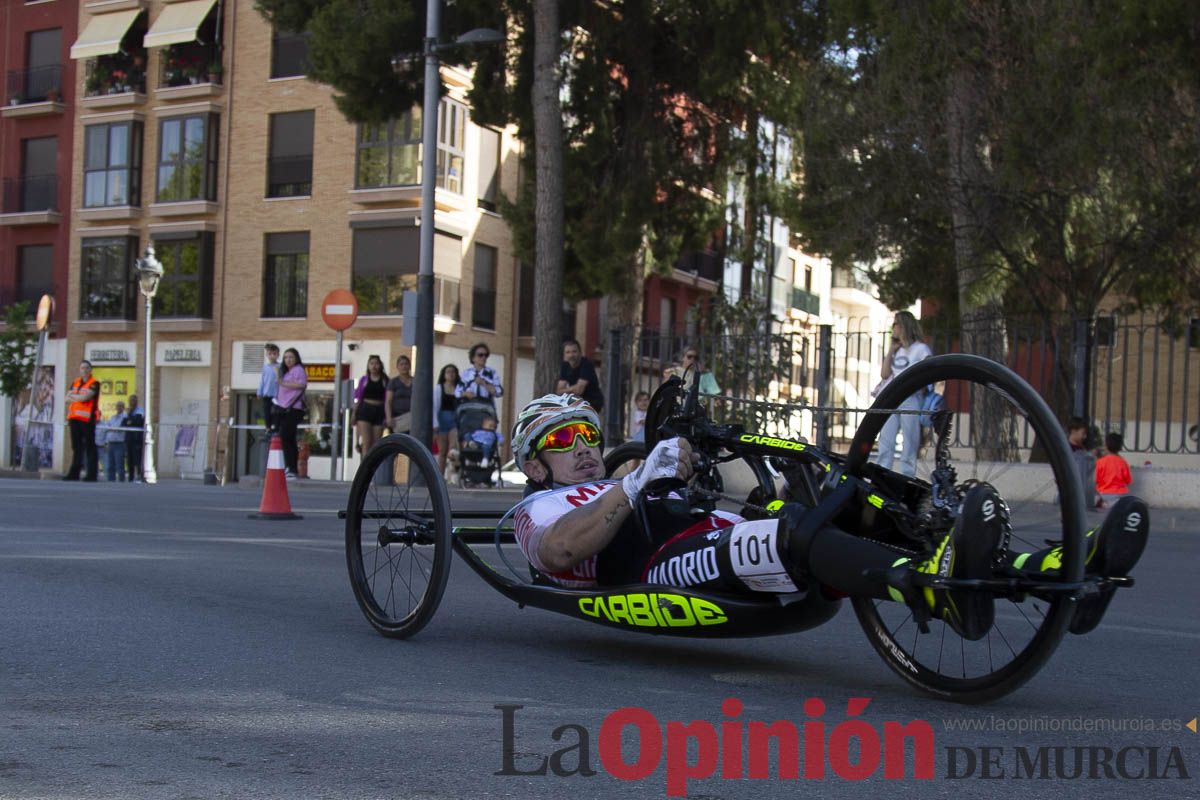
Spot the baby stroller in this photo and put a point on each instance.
(478, 445)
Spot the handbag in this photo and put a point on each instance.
(402, 423)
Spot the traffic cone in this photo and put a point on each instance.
(275, 503)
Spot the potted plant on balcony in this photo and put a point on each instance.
(53, 95)
(214, 72)
(120, 82)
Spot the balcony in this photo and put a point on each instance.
(34, 92)
(31, 200)
(853, 287)
(190, 70)
(116, 80)
(30, 294)
(806, 301)
(703, 264)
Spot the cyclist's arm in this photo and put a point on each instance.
(584, 531)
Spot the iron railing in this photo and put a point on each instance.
(34, 84)
(1137, 377)
(30, 193)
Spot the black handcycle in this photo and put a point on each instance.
(992, 427)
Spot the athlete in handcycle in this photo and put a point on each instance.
(648, 551)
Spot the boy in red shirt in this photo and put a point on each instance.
(1112, 472)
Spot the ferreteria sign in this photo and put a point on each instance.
(183, 354)
(110, 353)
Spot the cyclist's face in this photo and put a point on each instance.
(577, 465)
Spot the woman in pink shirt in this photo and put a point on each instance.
(289, 406)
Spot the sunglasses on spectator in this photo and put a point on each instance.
(563, 437)
(483, 353)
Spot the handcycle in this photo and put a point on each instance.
(400, 533)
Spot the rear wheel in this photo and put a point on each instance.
(398, 536)
(994, 423)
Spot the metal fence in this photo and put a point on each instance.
(1132, 376)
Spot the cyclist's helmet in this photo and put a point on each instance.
(543, 414)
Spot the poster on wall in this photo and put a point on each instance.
(39, 417)
(116, 383)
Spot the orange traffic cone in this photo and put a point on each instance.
(275, 503)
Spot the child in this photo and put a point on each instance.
(1112, 472)
(1077, 435)
(637, 422)
(487, 438)
(268, 384)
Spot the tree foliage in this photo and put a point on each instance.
(16, 350)
(1065, 128)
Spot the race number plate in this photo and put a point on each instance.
(755, 557)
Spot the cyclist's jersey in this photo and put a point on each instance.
(541, 510)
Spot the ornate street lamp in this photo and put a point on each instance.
(150, 272)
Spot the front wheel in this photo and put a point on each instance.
(625, 458)
(398, 536)
(998, 430)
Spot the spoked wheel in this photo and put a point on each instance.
(398, 536)
(994, 424)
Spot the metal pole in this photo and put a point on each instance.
(1083, 363)
(28, 462)
(335, 442)
(422, 401)
(149, 474)
(824, 375)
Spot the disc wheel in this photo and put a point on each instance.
(398, 536)
(997, 423)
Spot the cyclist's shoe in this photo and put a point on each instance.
(968, 551)
(1113, 550)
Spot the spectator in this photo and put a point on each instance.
(101, 434)
(399, 397)
(289, 408)
(688, 366)
(83, 410)
(445, 424)
(1085, 461)
(907, 349)
(268, 384)
(637, 422)
(479, 381)
(487, 438)
(370, 409)
(1113, 477)
(577, 376)
(134, 418)
(114, 445)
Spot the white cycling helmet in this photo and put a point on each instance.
(543, 414)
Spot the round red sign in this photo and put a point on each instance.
(339, 309)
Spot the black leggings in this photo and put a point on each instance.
(289, 422)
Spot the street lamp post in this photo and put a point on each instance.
(150, 271)
(422, 401)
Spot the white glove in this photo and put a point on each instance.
(670, 458)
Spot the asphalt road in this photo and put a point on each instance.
(156, 643)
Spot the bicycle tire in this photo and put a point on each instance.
(408, 526)
(636, 451)
(958, 370)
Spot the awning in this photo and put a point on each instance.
(103, 34)
(178, 23)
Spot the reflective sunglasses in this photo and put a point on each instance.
(563, 437)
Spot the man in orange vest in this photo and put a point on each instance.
(83, 409)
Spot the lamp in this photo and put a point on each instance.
(150, 272)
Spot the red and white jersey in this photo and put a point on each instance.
(540, 511)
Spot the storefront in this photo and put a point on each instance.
(182, 387)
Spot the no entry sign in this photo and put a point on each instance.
(339, 309)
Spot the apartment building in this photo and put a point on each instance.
(199, 133)
(35, 187)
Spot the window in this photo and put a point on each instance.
(108, 285)
(187, 158)
(36, 273)
(289, 54)
(43, 67)
(389, 152)
(37, 188)
(186, 286)
(384, 266)
(483, 297)
(285, 275)
(452, 123)
(112, 165)
(489, 168)
(289, 169)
